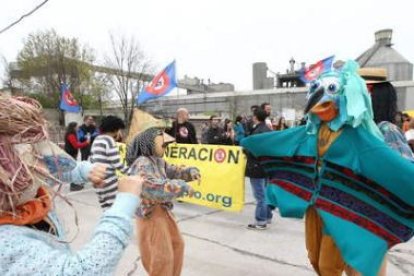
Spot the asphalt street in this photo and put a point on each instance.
(218, 243)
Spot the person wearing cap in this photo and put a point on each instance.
(160, 242)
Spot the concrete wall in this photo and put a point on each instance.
(405, 94)
(230, 104)
(398, 71)
(56, 131)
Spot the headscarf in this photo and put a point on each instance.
(142, 145)
(395, 139)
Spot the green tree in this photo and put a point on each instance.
(47, 60)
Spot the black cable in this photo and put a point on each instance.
(23, 16)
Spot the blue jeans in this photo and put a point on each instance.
(263, 212)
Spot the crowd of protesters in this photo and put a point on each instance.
(219, 131)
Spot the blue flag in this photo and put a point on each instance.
(312, 72)
(67, 101)
(161, 85)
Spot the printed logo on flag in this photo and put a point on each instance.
(314, 71)
(161, 85)
(67, 101)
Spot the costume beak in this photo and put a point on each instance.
(321, 106)
(168, 139)
(326, 111)
(314, 99)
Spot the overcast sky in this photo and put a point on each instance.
(219, 39)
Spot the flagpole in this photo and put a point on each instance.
(176, 75)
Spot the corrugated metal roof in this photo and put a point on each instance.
(381, 53)
(379, 56)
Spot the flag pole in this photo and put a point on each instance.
(176, 76)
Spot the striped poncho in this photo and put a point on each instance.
(362, 189)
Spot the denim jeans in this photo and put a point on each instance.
(263, 212)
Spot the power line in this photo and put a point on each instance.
(23, 16)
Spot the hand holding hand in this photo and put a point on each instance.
(97, 175)
(131, 184)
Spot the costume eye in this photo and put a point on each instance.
(332, 88)
(314, 86)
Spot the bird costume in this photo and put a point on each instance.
(357, 193)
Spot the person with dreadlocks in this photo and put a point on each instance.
(160, 241)
(32, 240)
(340, 175)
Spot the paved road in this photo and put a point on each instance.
(218, 243)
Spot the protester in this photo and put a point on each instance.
(72, 146)
(87, 131)
(281, 125)
(409, 134)
(238, 130)
(396, 140)
(182, 130)
(160, 242)
(268, 109)
(204, 130)
(406, 122)
(339, 140)
(257, 177)
(249, 121)
(228, 128)
(215, 134)
(105, 151)
(32, 240)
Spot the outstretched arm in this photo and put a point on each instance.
(154, 187)
(25, 250)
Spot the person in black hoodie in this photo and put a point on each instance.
(257, 176)
(182, 130)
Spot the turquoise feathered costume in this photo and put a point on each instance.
(362, 189)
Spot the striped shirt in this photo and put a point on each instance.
(105, 151)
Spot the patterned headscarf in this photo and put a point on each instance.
(142, 145)
(394, 137)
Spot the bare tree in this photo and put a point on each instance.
(131, 68)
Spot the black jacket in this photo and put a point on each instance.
(216, 136)
(69, 148)
(184, 133)
(253, 167)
